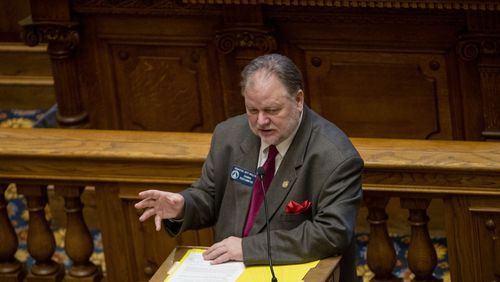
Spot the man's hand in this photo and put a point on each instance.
(225, 250)
(161, 204)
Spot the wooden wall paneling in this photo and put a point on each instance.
(476, 240)
(456, 219)
(486, 228)
(10, 14)
(384, 94)
(471, 100)
(162, 88)
(120, 263)
(157, 73)
(230, 67)
(456, 106)
(93, 69)
(163, 30)
(393, 59)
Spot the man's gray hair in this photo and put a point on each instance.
(274, 64)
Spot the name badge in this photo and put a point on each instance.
(243, 176)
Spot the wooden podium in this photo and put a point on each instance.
(326, 270)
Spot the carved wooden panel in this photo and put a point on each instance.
(486, 219)
(163, 88)
(382, 94)
(478, 218)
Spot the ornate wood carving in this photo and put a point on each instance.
(64, 35)
(482, 49)
(471, 46)
(228, 39)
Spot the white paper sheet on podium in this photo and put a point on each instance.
(193, 268)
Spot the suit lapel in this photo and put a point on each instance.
(242, 193)
(283, 181)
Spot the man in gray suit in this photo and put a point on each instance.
(313, 196)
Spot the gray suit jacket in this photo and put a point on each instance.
(321, 166)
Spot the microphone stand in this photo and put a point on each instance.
(260, 172)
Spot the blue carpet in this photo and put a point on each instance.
(20, 118)
(19, 217)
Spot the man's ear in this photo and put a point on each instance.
(299, 98)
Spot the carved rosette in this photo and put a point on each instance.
(62, 36)
(470, 47)
(227, 40)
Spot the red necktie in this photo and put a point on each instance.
(257, 194)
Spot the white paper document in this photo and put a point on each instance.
(194, 268)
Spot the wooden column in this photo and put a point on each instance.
(41, 242)
(422, 258)
(10, 268)
(78, 240)
(479, 48)
(381, 256)
(53, 23)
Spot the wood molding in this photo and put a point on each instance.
(395, 4)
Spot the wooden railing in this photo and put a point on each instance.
(119, 164)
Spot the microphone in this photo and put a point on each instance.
(260, 173)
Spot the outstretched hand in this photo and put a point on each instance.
(161, 205)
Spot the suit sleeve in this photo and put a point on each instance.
(330, 230)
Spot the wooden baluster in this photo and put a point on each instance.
(41, 242)
(10, 268)
(381, 256)
(78, 240)
(422, 258)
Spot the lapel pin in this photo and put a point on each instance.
(284, 184)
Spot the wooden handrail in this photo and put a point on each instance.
(132, 156)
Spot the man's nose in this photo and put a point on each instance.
(262, 118)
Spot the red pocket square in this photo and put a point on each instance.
(296, 208)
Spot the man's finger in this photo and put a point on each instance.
(220, 259)
(150, 194)
(147, 214)
(145, 203)
(213, 253)
(158, 222)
